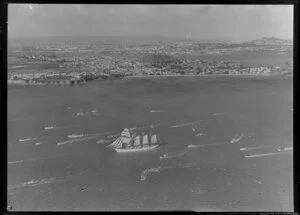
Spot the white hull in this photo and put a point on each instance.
(136, 149)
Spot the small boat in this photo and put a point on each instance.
(193, 146)
(94, 111)
(26, 139)
(285, 149)
(48, 128)
(199, 134)
(82, 113)
(128, 142)
(164, 156)
(75, 135)
(237, 139)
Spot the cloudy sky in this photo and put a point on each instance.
(196, 21)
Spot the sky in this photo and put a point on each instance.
(237, 22)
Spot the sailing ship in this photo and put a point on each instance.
(128, 142)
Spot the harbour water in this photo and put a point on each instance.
(222, 137)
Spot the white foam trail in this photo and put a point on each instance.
(26, 139)
(38, 143)
(102, 141)
(257, 147)
(13, 162)
(33, 138)
(265, 154)
(82, 114)
(30, 183)
(259, 182)
(94, 111)
(203, 145)
(167, 156)
(73, 141)
(49, 127)
(159, 169)
(285, 149)
(183, 124)
(157, 111)
(147, 171)
(199, 134)
(236, 139)
(44, 181)
(75, 135)
(220, 113)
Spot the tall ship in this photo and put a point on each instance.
(128, 142)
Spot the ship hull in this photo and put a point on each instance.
(136, 149)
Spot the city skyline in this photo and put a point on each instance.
(231, 22)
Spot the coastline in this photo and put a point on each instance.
(70, 83)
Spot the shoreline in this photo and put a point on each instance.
(23, 82)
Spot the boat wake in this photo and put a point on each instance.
(31, 183)
(218, 114)
(74, 141)
(167, 156)
(157, 111)
(82, 114)
(203, 145)
(102, 141)
(285, 149)
(13, 162)
(27, 139)
(266, 154)
(257, 147)
(237, 138)
(147, 171)
(49, 127)
(44, 181)
(257, 181)
(75, 135)
(184, 124)
(32, 138)
(199, 134)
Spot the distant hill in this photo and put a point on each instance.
(271, 41)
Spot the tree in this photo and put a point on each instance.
(199, 70)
